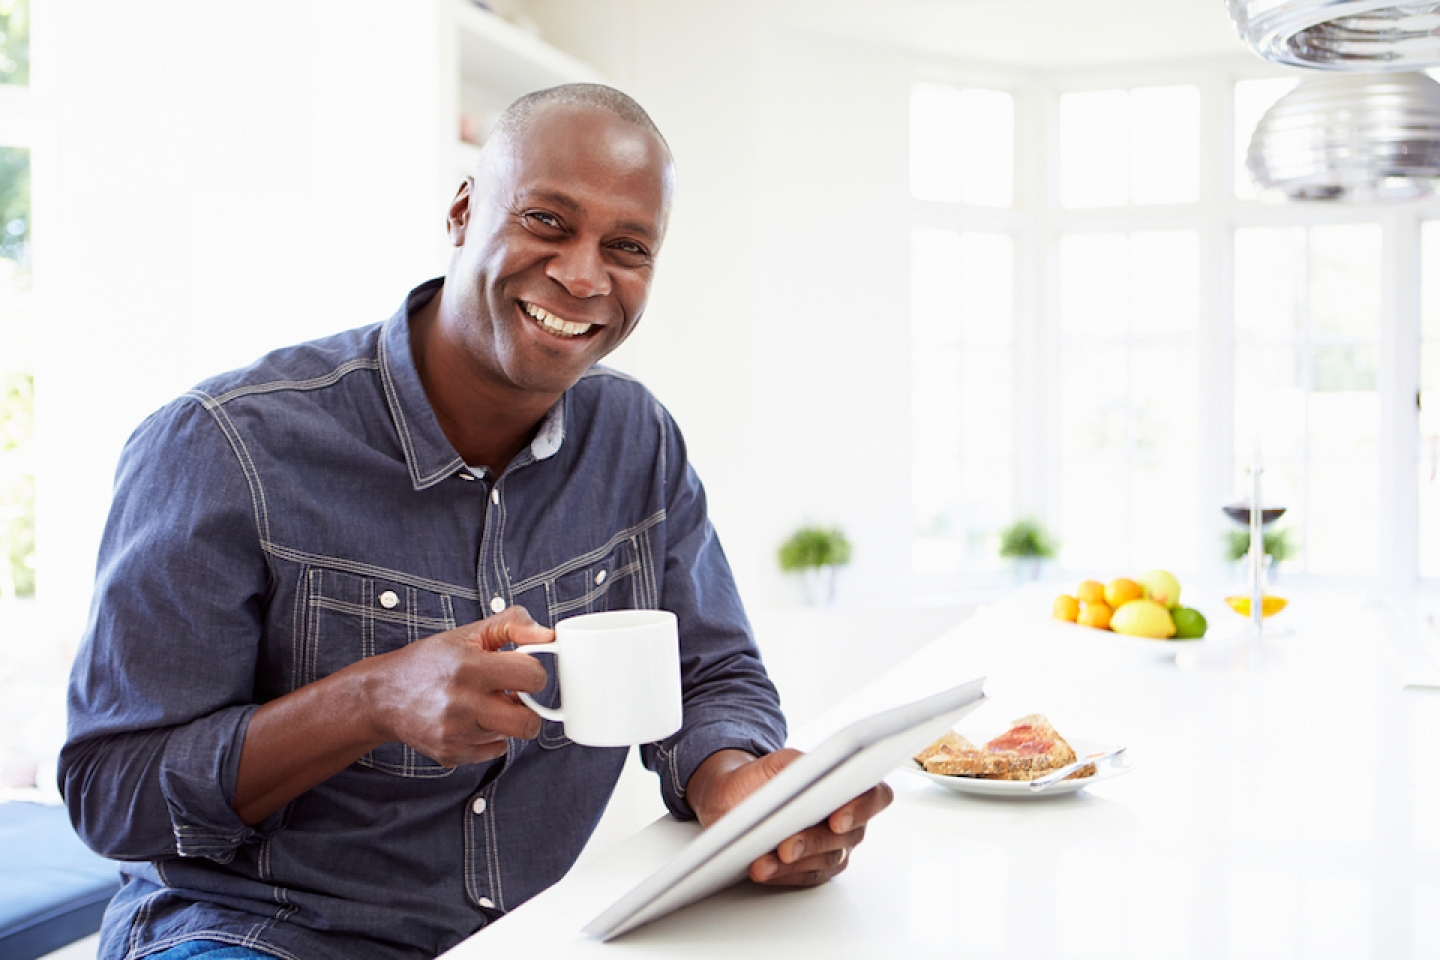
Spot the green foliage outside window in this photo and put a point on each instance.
(17, 383)
(17, 487)
(15, 42)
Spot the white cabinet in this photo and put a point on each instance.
(487, 63)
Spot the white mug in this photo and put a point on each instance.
(619, 677)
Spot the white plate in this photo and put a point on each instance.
(1020, 789)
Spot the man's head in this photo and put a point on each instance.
(557, 237)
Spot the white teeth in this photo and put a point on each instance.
(548, 320)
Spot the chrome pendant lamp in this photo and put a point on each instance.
(1353, 137)
(1358, 35)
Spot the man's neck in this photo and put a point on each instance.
(485, 423)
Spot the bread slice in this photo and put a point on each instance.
(1031, 748)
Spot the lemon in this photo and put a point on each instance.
(1269, 605)
(1066, 607)
(1143, 618)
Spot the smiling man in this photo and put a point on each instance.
(293, 714)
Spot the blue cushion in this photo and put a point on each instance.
(53, 890)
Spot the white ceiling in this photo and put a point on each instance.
(1032, 33)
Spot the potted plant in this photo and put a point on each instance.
(1279, 544)
(1026, 542)
(815, 554)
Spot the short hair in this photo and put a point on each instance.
(597, 95)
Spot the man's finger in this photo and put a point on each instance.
(511, 625)
(815, 841)
(862, 809)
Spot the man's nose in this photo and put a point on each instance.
(580, 269)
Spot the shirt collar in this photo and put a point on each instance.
(428, 453)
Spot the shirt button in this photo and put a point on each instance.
(496, 605)
(389, 600)
(478, 807)
(495, 496)
(599, 578)
(486, 902)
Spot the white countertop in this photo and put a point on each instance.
(1284, 804)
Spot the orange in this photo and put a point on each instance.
(1066, 608)
(1095, 615)
(1121, 591)
(1091, 591)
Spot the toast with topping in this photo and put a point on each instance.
(1030, 749)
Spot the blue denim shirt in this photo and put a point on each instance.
(280, 522)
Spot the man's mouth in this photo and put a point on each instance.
(556, 325)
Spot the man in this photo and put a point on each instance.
(293, 710)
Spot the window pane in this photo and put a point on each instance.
(1129, 399)
(1269, 281)
(1306, 385)
(1345, 280)
(15, 41)
(937, 136)
(1429, 438)
(1252, 99)
(1165, 145)
(1094, 285)
(17, 469)
(962, 338)
(1095, 148)
(962, 145)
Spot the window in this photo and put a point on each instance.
(17, 472)
(962, 336)
(1139, 146)
(962, 145)
(1129, 313)
(1307, 331)
(1429, 400)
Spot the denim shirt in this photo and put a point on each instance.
(280, 522)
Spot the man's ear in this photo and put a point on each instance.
(459, 217)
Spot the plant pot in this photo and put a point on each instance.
(1029, 569)
(817, 586)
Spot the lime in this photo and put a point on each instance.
(1189, 623)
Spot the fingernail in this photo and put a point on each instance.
(797, 850)
(844, 824)
(767, 869)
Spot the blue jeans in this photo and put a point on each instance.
(210, 950)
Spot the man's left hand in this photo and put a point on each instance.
(811, 856)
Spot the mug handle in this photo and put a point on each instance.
(549, 713)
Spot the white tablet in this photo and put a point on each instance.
(817, 784)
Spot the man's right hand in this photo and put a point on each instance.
(449, 696)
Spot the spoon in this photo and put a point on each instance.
(1054, 777)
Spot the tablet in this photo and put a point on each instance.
(807, 791)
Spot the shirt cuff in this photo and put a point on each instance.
(677, 759)
(198, 772)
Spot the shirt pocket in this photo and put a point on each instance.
(348, 618)
(616, 579)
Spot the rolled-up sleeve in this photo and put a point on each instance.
(730, 702)
(163, 684)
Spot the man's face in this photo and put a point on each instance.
(557, 247)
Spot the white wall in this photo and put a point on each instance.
(777, 332)
(214, 180)
(223, 179)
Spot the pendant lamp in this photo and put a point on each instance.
(1351, 137)
(1362, 35)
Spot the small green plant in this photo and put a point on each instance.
(1026, 540)
(1279, 544)
(812, 550)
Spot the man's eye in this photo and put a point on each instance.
(630, 247)
(545, 219)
